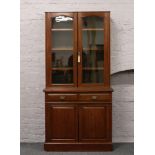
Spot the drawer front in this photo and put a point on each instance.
(95, 97)
(61, 97)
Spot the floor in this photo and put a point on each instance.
(37, 149)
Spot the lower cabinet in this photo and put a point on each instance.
(78, 123)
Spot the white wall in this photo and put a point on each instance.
(33, 62)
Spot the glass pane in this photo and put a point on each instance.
(92, 76)
(91, 39)
(62, 39)
(62, 22)
(93, 58)
(62, 76)
(62, 59)
(92, 22)
(93, 49)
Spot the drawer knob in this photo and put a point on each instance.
(94, 97)
(62, 97)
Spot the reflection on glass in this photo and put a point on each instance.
(62, 39)
(93, 33)
(62, 46)
(93, 22)
(93, 59)
(93, 49)
(62, 59)
(62, 76)
(62, 22)
(92, 38)
(92, 76)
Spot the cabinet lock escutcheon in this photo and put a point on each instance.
(62, 97)
(94, 97)
(78, 57)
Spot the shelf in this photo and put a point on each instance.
(93, 68)
(71, 49)
(62, 68)
(92, 29)
(93, 49)
(61, 29)
(62, 49)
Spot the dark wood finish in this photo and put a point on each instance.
(61, 97)
(78, 116)
(78, 89)
(107, 49)
(78, 147)
(95, 97)
(49, 47)
(80, 46)
(61, 123)
(93, 123)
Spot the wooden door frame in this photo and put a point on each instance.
(48, 48)
(106, 26)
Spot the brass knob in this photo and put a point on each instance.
(62, 97)
(94, 97)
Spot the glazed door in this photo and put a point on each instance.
(78, 49)
(61, 49)
(93, 50)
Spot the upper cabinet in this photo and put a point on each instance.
(78, 49)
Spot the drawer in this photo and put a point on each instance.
(60, 97)
(96, 97)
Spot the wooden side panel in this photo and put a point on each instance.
(94, 123)
(107, 49)
(61, 123)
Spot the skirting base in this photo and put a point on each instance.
(78, 146)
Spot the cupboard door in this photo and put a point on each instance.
(93, 47)
(94, 123)
(61, 48)
(61, 123)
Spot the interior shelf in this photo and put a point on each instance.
(61, 29)
(93, 68)
(92, 49)
(62, 49)
(62, 68)
(92, 29)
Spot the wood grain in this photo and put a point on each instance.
(78, 116)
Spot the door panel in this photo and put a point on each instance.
(94, 123)
(61, 49)
(61, 123)
(91, 48)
